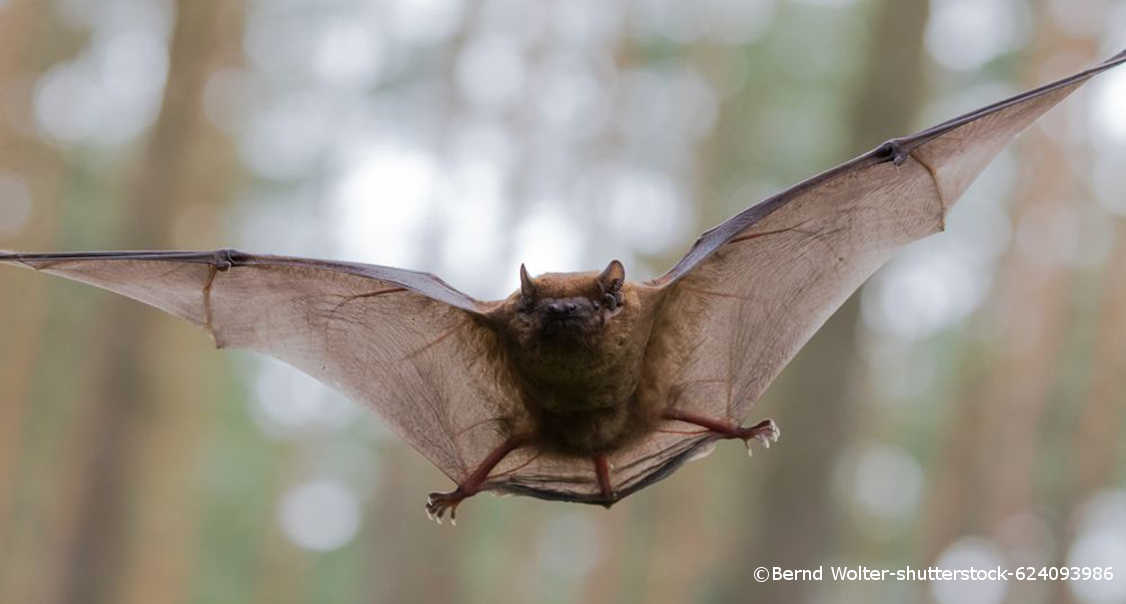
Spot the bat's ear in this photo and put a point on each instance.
(527, 285)
(613, 277)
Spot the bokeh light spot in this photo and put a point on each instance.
(646, 209)
(383, 198)
(964, 554)
(348, 55)
(963, 35)
(490, 72)
(1100, 541)
(420, 21)
(888, 482)
(286, 138)
(107, 95)
(320, 515)
(928, 287)
(289, 403)
(548, 240)
(1108, 116)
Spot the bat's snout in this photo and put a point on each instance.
(566, 314)
(562, 309)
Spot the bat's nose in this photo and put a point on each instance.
(563, 308)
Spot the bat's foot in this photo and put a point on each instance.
(766, 432)
(437, 504)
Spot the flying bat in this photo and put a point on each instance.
(582, 387)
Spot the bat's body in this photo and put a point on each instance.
(575, 346)
(583, 387)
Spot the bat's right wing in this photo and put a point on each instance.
(754, 289)
(405, 343)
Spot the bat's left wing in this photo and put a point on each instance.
(405, 343)
(753, 290)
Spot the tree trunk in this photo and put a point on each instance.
(799, 522)
(145, 414)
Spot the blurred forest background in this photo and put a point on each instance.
(967, 407)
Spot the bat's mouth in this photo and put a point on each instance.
(564, 323)
(565, 326)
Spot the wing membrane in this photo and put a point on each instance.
(404, 343)
(753, 290)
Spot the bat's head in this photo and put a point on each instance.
(567, 306)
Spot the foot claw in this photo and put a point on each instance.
(771, 430)
(438, 503)
(766, 432)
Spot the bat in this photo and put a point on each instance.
(582, 387)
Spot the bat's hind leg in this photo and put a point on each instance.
(766, 431)
(602, 471)
(438, 503)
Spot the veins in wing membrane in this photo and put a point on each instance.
(212, 271)
(427, 346)
(796, 228)
(718, 294)
(335, 314)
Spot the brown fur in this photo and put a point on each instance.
(579, 383)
